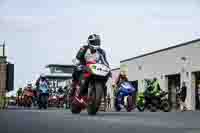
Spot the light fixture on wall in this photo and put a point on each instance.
(139, 67)
(183, 58)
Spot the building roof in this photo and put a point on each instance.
(59, 65)
(161, 50)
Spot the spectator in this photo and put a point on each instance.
(183, 95)
(108, 101)
(198, 93)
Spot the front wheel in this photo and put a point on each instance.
(140, 104)
(140, 108)
(75, 109)
(29, 102)
(116, 105)
(94, 94)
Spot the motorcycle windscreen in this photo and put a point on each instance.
(99, 69)
(126, 86)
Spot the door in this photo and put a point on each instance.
(173, 84)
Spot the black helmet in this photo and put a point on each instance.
(94, 41)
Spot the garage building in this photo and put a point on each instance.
(171, 66)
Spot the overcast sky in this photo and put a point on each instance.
(39, 32)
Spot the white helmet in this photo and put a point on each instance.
(29, 84)
(42, 75)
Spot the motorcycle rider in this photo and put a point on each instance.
(157, 90)
(19, 92)
(28, 88)
(41, 82)
(120, 79)
(19, 95)
(154, 90)
(89, 52)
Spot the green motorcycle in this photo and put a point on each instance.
(140, 104)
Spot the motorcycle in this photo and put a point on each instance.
(128, 91)
(153, 103)
(52, 100)
(140, 104)
(60, 100)
(97, 75)
(28, 98)
(20, 100)
(43, 97)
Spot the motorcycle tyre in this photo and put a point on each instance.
(117, 108)
(152, 108)
(165, 106)
(75, 109)
(95, 92)
(141, 108)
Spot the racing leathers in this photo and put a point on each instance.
(42, 82)
(153, 90)
(86, 54)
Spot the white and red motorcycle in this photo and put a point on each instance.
(97, 75)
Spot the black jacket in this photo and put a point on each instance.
(183, 93)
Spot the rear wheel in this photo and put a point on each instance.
(152, 108)
(95, 93)
(165, 106)
(129, 106)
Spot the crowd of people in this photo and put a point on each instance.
(34, 91)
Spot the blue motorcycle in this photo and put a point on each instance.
(125, 97)
(43, 95)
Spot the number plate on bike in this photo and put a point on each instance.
(99, 69)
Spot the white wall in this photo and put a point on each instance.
(111, 81)
(109, 85)
(166, 63)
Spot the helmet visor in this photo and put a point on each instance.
(95, 42)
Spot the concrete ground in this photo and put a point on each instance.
(62, 121)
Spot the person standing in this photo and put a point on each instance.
(183, 95)
(108, 102)
(198, 94)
